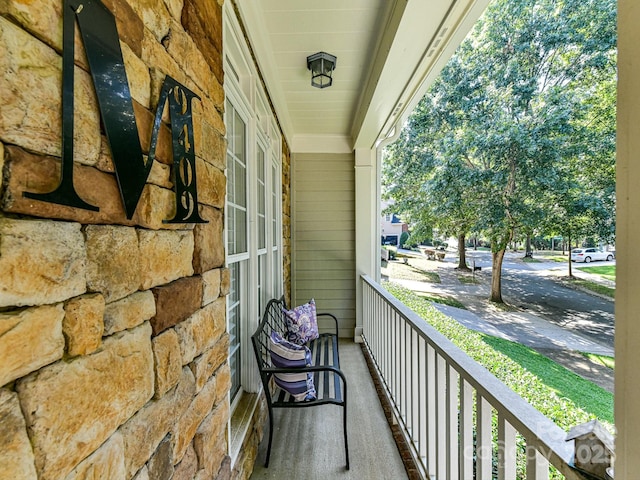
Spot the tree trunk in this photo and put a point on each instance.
(528, 251)
(570, 272)
(496, 276)
(462, 262)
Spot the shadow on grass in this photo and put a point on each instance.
(468, 279)
(583, 393)
(429, 275)
(443, 299)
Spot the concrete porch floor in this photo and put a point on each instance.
(297, 453)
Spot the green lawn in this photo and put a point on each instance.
(443, 299)
(530, 260)
(606, 271)
(551, 256)
(581, 392)
(556, 392)
(594, 287)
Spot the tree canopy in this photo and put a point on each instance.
(518, 131)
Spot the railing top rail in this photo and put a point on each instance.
(538, 430)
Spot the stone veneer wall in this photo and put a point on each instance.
(243, 466)
(113, 343)
(286, 219)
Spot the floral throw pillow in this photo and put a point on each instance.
(289, 355)
(302, 323)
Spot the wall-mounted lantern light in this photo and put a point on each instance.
(321, 65)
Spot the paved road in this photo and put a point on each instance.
(532, 287)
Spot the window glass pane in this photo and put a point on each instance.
(241, 231)
(262, 232)
(262, 290)
(231, 197)
(260, 164)
(261, 188)
(239, 137)
(231, 231)
(235, 326)
(276, 274)
(274, 204)
(240, 184)
(261, 199)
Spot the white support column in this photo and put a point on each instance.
(627, 342)
(367, 224)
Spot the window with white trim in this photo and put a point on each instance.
(253, 209)
(237, 236)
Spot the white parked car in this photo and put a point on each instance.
(589, 255)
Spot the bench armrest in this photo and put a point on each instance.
(335, 320)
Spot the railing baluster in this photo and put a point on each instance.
(466, 429)
(387, 352)
(396, 360)
(404, 369)
(422, 403)
(384, 346)
(506, 450)
(452, 423)
(415, 388)
(431, 409)
(484, 451)
(441, 416)
(537, 465)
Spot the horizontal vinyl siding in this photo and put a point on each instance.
(327, 289)
(339, 201)
(322, 274)
(337, 227)
(323, 234)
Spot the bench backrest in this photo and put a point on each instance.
(273, 319)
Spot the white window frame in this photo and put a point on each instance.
(241, 258)
(244, 91)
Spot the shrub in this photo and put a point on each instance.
(403, 239)
(393, 251)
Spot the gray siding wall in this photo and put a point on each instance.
(323, 234)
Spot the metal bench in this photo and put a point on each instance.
(330, 382)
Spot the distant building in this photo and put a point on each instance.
(391, 228)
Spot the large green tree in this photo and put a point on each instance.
(429, 180)
(521, 112)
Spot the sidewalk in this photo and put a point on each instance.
(528, 329)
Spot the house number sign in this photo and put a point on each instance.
(99, 34)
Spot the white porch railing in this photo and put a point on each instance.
(433, 387)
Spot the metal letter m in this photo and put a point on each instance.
(100, 37)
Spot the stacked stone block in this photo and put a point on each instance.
(286, 219)
(113, 343)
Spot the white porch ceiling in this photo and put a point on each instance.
(388, 52)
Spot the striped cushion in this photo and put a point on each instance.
(285, 354)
